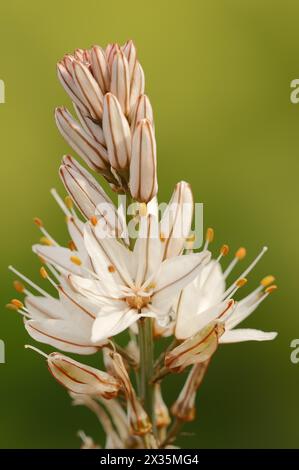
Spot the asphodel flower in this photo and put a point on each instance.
(136, 283)
(79, 378)
(107, 280)
(207, 299)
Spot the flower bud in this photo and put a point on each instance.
(65, 75)
(184, 406)
(143, 167)
(142, 110)
(117, 133)
(138, 418)
(91, 151)
(161, 410)
(100, 68)
(120, 81)
(197, 349)
(89, 89)
(82, 379)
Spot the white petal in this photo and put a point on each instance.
(189, 322)
(62, 335)
(176, 220)
(174, 275)
(246, 334)
(112, 324)
(147, 250)
(44, 307)
(110, 258)
(58, 256)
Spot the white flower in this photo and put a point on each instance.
(206, 300)
(133, 284)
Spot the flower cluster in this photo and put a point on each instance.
(108, 281)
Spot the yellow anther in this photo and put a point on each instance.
(94, 220)
(267, 281)
(11, 306)
(19, 286)
(271, 289)
(151, 286)
(68, 202)
(43, 273)
(241, 282)
(210, 234)
(76, 260)
(38, 222)
(46, 241)
(241, 253)
(191, 238)
(162, 237)
(111, 268)
(224, 250)
(71, 245)
(17, 303)
(142, 209)
(42, 260)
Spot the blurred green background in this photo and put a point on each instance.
(218, 74)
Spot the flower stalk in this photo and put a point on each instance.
(146, 347)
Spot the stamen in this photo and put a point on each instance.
(44, 274)
(76, 260)
(271, 289)
(247, 271)
(239, 255)
(46, 241)
(29, 282)
(240, 283)
(224, 250)
(111, 269)
(94, 220)
(267, 281)
(19, 286)
(162, 237)
(68, 202)
(142, 209)
(190, 242)
(71, 245)
(209, 237)
(60, 202)
(28, 346)
(38, 222)
(17, 303)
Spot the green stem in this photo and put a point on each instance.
(146, 365)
